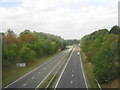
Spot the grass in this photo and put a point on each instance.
(88, 71)
(45, 83)
(54, 81)
(111, 84)
(90, 77)
(11, 72)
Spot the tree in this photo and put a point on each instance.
(38, 47)
(105, 67)
(26, 54)
(10, 53)
(115, 30)
(55, 46)
(27, 36)
(101, 49)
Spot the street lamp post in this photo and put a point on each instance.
(119, 13)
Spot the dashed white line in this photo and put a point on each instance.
(48, 74)
(71, 82)
(64, 69)
(72, 75)
(31, 71)
(25, 84)
(33, 77)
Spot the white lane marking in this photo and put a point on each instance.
(64, 69)
(33, 70)
(49, 73)
(71, 82)
(83, 73)
(98, 84)
(56, 72)
(33, 77)
(24, 84)
(72, 75)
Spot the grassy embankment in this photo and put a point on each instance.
(111, 84)
(90, 77)
(88, 71)
(11, 73)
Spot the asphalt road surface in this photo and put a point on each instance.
(36, 76)
(73, 76)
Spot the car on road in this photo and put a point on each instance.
(78, 53)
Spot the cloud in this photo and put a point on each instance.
(67, 18)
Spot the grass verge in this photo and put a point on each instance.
(111, 84)
(12, 73)
(88, 71)
(53, 77)
(45, 83)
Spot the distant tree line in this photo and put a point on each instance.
(72, 41)
(28, 45)
(102, 50)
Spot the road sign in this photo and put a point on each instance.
(21, 64)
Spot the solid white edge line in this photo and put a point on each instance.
(98, 85)
(49, 74)
(83, 71)
(63, 70)
(31, 71)
(55, 74)
(24, 85)
(33, 77)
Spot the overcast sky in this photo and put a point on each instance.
(70, 19)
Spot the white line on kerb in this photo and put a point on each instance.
(33, 77)
(63, 69)
(55, 74)
(83, 73)
(24, 84)
(48, 74)
(32, 71)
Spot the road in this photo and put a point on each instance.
(36, 76)
(72, 76)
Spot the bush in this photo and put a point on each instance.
(26, 54)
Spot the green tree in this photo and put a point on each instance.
(10, 53)
(26, 54)
(105, 67)
(55, 46)
(115, 30)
